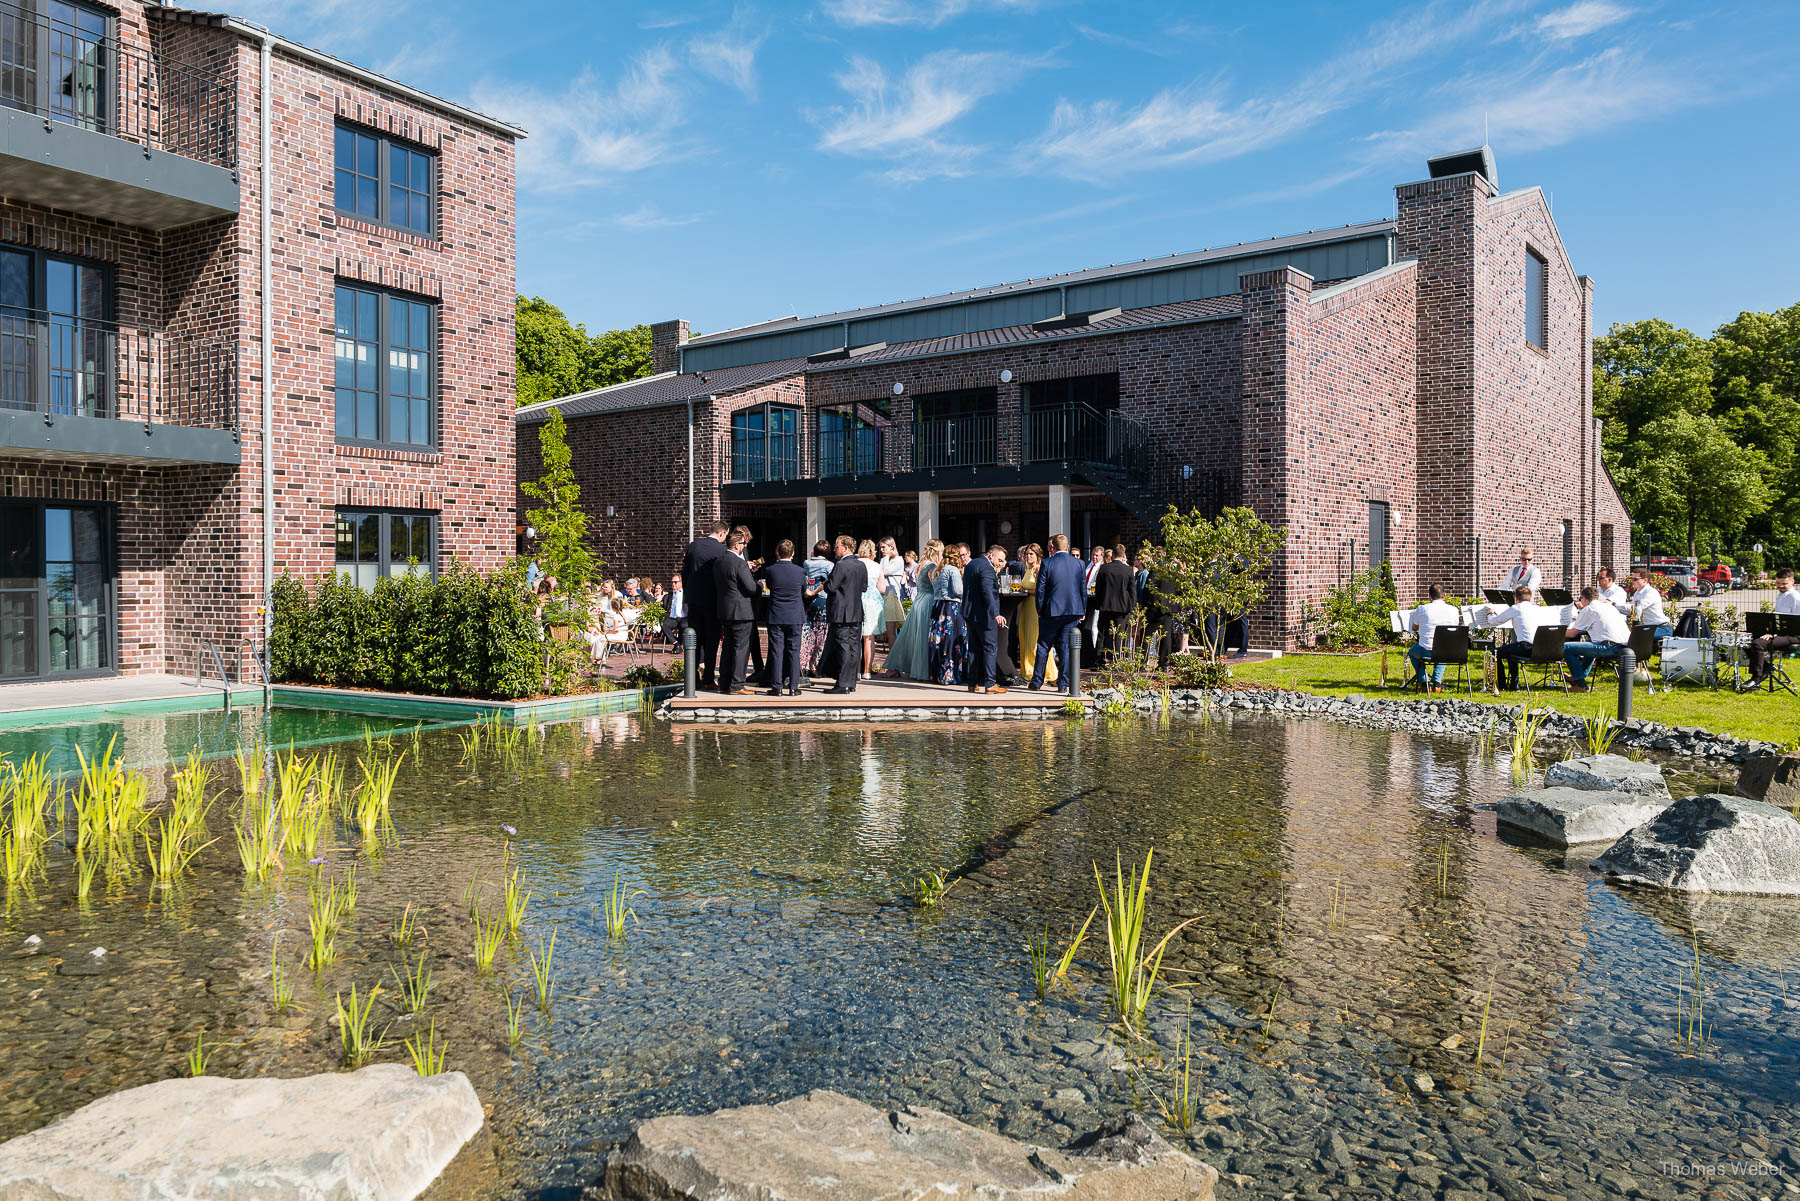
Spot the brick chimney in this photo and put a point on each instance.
(666, 340)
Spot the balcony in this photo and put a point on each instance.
(91, 126)
(71, 388)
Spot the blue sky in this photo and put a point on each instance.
(730, 162)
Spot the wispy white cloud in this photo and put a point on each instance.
(1580, 19)
(729, 55)
(649, 217)
(907, 119)
(929, 13)
(627, 126)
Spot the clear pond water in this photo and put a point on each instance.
(1354, 912)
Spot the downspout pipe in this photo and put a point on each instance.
(265, 271)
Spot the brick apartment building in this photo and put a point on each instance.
(1414, 389)
(147, 491)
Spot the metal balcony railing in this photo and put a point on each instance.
(851, 452)
(956, 442)
(64, 64)
(758, 458)
(71, 366)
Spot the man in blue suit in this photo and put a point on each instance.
(787, 613)
(1061, 602)
(981, 617)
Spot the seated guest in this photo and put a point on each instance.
(1423, 622)
(1610, 592)
(1599, 632)
(1524, 617)
(634, 599)
(1525, 573)
(609, 631)
(1763, 650)
(675, 614)
(1647, 605)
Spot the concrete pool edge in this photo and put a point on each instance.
(450, 708)
(214, 697)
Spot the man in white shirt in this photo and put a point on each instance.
(1524, 617)
(1599, 632)
(1524, 573)
(1762, 650)
(1423, 622)
(1647, 605)
(1610, 592)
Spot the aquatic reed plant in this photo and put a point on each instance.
(347, 895)
(1526, 728)
(1181, 1107)
(472, 895)
(173, 850)
(87, 865)
(197, 1057)
(929, 889)
(1047, 973)
(1690, 1007)
(1336, 918)
(618, 909)
(249, 761)
(25, 792)
(489, 934)
(470, 738)
(1134, 971)
(414, 983)
(375, 796)
(1269, 1018)
(110, 811)
(357, 1037)
(515, 1021)
(293, 802)
(257, 828)
(1602, 731)
(1481, 1039)
(541, 972)
(514, 900)
(426, 1051)
(280, 984)
(406, 927)
(323, 920)
(1443, 867)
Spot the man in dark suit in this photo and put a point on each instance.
(981, 617)
(696, 572)
(734, 588)
(757, 672)
(1061, 600)
(787, 614)
(844, 589)
(1115, 595)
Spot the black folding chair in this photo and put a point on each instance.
(1450, 647)
(1547, 656)
(1760, 625)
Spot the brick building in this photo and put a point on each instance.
(1414, 389)
(148, 493)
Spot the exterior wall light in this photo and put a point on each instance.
(1006, 377)
(899, 388)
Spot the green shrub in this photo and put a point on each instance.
(461, 634)
(1356, 611)
(644, 675)
(1197, 671)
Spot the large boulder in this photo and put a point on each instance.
(1771, 778)
(1607, 773)
(378, 1134)
(1711, 843)
(1570, 816)
(825, 1146)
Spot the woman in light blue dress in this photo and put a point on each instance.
(911, 657)
(874, 612)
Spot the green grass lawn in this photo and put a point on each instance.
(1772, 718)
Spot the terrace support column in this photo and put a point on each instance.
(815, 523)
(1062, 516)
(928, 518)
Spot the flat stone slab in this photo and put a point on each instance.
(1607, 773)
(825, 1146)
(378, 1134)
(1570, 816)
(1711, 843)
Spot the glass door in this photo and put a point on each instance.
(18, 331)
(21, 579)
(80, 349)
(56, 591)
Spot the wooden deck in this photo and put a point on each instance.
(873, 700)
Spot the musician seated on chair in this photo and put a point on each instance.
(1763, 650)
(1608, 587)
(1524, 617)
(1647, 605)
(1599, 632)
(1423, 622)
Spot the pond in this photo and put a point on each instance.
(1355, 917)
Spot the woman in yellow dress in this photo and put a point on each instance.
(1033, 558)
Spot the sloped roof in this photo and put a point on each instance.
(654, 391)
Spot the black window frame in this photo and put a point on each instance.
(1537, 300)
(850, 439)
(742, 455)
(384, 561)
(384, 144)
(384, 348)
(48, 36)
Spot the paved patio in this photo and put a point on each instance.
(179, 691)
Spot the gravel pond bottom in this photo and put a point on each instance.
(1355, 918)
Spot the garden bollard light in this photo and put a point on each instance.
(1075, 670)
(689, 649)
(1627, 676)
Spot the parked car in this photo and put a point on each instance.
(1740, 578)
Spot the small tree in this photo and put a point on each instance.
(560, 522)
(1215, 568)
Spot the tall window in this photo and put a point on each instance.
(956, 429)
(1537, 300)
(54, 61)
(385, 181)
(386, 367)
(1066, 418)
(765, 443)
(850, 440)
(371, 545)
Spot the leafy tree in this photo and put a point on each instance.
(1642, 371)
(1215, 568)
(619, 355)
(1690, 473)
(560, 521)
(558, 357)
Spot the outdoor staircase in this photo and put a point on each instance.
(1121, 458)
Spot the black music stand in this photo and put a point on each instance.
(1786, 625)
(1558, 596)
(1497, 596)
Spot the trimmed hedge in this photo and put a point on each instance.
(461, 634)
